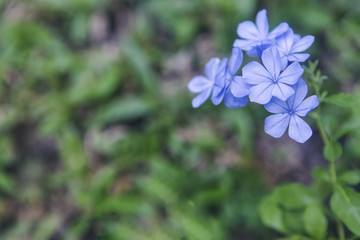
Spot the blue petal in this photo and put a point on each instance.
(299, 130)
(307, 105)
(218, 94)
(291, 74)
(280, 29)
(301, 90)
(211, 68)
(244, 44)
(277, 106)
(303, 44)
(261, 93)
(201, 98)
(299, 57)
(262, 23)
(199, 83)
(234, 102)
(238, 87)
(285, 41)
(262, 47)
(282, 91)
(222, 69)
(276, 125)
(272, 62)
(252, 51)
(235, 60)
(248, 30)
(255, 73)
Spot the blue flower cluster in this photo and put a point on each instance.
(275, 82)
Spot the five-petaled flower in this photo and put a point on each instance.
(291, 45)
(255, 36)
(289, 113)
(268, 81)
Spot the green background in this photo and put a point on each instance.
(98, 139)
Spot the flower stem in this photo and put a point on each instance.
(332, 171)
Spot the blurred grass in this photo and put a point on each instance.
(98, 138)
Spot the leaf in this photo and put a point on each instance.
(271, 214)
(345, 203)
(315, 221)
(341, 100)
(347, 127)
(293, 196)
(350, 177)
(122, 110)
(332, 151)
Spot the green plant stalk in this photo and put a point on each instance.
(332, 171)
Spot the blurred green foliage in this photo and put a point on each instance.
(98, 138)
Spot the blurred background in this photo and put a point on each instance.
(98, 139)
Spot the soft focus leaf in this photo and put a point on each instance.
(315, 221)
(345, 202)
(332, 151)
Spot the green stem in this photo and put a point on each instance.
(332, 171)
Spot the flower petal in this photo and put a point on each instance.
(238, 87)
(291, 74)
(299, 57)
(255, 73)
(198, 84)
(211, 68)
(299, 130)
(235, 60)
(303, 44)
(234, 102)
(301, 90)
(280, 29)
(222, 69)
(285, 41)
(272, 62)
(218, 94)
(276, 125)
(248, 30)
(201, 98)
(261, 93)
(282, 91)
(307, 105)
(244, 44)
(277, 106)
(262, 23)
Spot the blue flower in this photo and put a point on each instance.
(269, 81)
(290, 45)
(228, 87)
(204, 84)
(289, 113)
(255, 37)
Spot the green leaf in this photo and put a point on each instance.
(341, 100)
(315, 221)
(293, 196)
(345, 202)
(347, 127)
(271, 214)
(350, 177)
(332, 151)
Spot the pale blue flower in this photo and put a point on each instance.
(268, 81)
(291, 45)
(287, 114)
(228, 87)
(204, 84)
(256, 36)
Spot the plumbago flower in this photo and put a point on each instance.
(228, 87)
(268, 81)
(274, 82)
(289, 113)
(256, 37)
(291, 45)
(204, 84)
